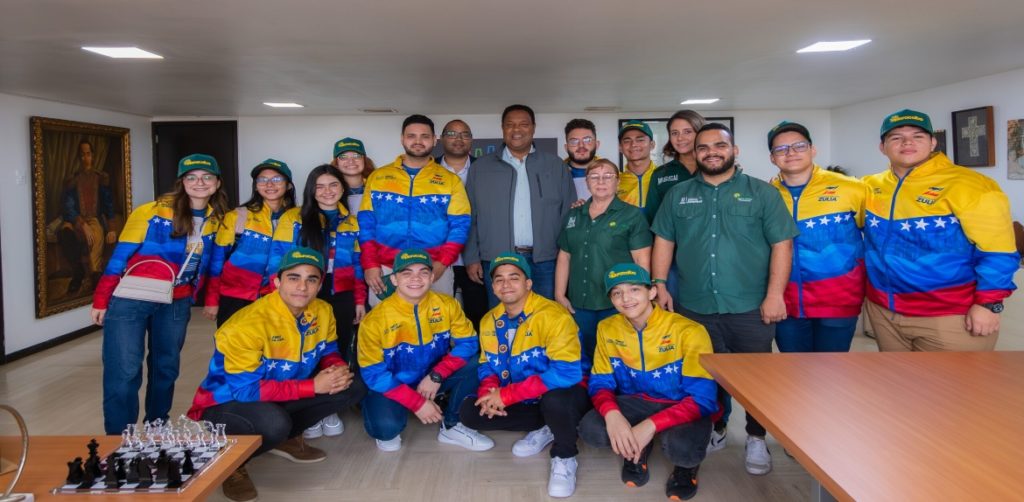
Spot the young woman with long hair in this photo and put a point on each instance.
(351, 161)
(242, 252)
(168, 239)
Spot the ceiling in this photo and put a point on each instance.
(226, 57)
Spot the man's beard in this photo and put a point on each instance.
(712, 171)
(588, 160)
(410, 153)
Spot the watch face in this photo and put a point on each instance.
(997, 307)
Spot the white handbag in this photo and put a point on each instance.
(148, 289)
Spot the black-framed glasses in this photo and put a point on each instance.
(783, 150)
(455, 134)
(574, 142)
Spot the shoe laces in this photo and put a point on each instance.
(535, 436)
(635, 467)
(560, 467)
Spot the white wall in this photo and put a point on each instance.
(304, 142)
(855, 127)
(21, 328)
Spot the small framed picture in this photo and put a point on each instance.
(974, 139)
(940, 141)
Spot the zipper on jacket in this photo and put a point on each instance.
(796, 259)
(640, 340)
(890, 297)
(419, 329)
(408, 219)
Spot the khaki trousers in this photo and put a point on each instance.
(899, 333)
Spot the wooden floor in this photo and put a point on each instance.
(59, 392)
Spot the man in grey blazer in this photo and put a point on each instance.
(518, 197)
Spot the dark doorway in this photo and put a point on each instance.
(174, 140)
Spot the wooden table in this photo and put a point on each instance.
(875, 426)
(46, 468)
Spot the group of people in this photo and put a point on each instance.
(588, 294)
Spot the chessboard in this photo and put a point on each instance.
(145, 469)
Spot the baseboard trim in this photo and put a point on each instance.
(49, 344)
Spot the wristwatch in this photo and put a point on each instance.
(436, 377)
(659, 281)
(995, 307)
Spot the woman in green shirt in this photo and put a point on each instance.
(595, 236)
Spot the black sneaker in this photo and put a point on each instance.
(636, 474)
(682, 483)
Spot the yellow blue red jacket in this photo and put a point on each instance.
(260, 354)
(635, 189)
(827, 277)
(659, 363)
(428, 211)
(400, 343)
(342, 251)
(938, 240)
(241, 261)
(544, 353)
(147, 236)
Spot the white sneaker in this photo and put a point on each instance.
(393, 444)
(333, 426)
(533, 443)
(316, 431)
(759, 459)
(465, 437)
(562, 482)
(717, 441)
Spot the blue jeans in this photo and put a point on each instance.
(542, 274)
(384, 418)
(823, 334)
(125, 329)
(587, 321)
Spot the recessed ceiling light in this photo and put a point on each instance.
(123, 52)
(841, 45)
(601, 109)
(700, 101)
(378, 110)
(283, 105)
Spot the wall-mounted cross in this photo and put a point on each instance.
(972, 132)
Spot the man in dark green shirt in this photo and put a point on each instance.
(733, 241)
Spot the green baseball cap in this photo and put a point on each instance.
(348, 145)
(199, 161)
(638, 125)
(907, 117)
(787, 126)
(274, 164)
(302, 256)
(408, 257)
(626, 273)
(510, 258)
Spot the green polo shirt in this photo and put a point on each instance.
(596, 245)
(667, 176)
(723, 238)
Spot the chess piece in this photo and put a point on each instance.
(91, 468)
(161, 467)
(93, 447)
(75, 472)
(173, 474)
(132, 472)
(187, 467)
(145, 470)
(121, 472)
(110, 477)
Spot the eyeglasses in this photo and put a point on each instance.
(266, 181)
(783, 150)
(349, 157)
(192, 178)
(456, 134)
(574, 142)
(597, 178)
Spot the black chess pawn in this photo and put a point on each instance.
(132, 471)
(75, 472)
(173, 474)
(145, 470)
(110, 477)
(161, 467)
(187, 467)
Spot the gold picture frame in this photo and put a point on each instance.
(81, 196)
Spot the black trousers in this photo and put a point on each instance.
(685, 445)
(474, 296)
(344, 306)
(277, 422)
(560, 409)
(228, 306)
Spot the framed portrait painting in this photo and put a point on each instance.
(974, 139)
(81, 196)
(1015, 149)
